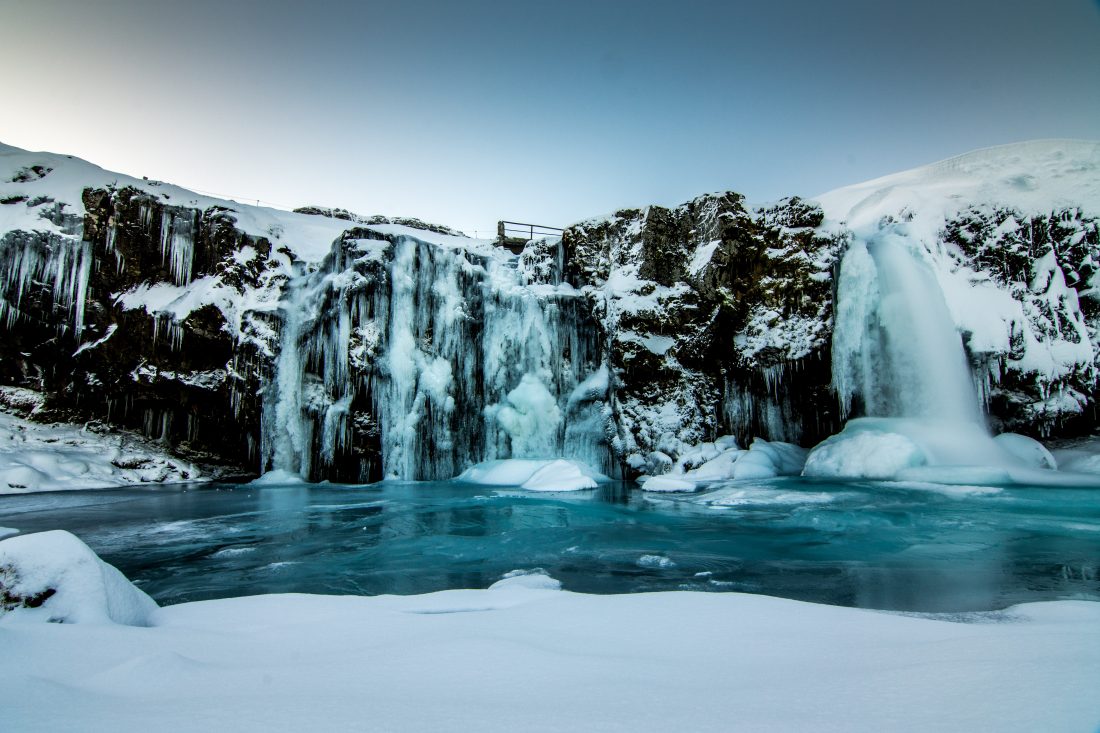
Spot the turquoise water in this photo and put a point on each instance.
(867, 544)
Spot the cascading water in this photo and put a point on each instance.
(413, 360)
(898, 355)
(895, 345)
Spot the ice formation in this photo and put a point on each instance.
(459, 361)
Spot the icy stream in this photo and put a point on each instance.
(903, 546)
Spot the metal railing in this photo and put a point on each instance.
(514, 234)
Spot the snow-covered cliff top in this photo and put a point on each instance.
(33, 182)
(1036, 176)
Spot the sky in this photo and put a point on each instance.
(465, 113)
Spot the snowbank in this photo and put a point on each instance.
(525, 656)
(35, 457)
(53, 576)
(535, 475)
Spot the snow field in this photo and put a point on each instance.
(523, 655)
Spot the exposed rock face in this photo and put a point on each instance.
(707, 309)
(351, 348)
(190, 382)
(1043, 378)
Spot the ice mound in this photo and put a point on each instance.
(536, 579)
(1029, 451)
(769, 459)
(723, 460)
(53, 576)
(277, 477)
(558, 474)
(919, 450)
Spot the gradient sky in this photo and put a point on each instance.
(468, 112)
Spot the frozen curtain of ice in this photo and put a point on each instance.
(451, 356)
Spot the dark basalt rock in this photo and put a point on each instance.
(708, 273)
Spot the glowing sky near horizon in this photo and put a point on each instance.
(468, 112)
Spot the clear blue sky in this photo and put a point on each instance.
(466, 112)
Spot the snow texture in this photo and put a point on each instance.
(534, 475)
(37, 457)
(506, 658)
(53, 576)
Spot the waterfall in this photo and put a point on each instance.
(897, 351)
(895, 345)
(413, 360)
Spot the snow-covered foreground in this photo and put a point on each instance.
(37, 457)
(523, 655)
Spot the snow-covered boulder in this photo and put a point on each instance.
(54, 576)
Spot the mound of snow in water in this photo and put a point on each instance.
(769, 459)
(885, 448)
(537, 579)
(723, 461)
(863, 454)
(547, 475)
(1029, 451)
(278, 477)
(53, 576)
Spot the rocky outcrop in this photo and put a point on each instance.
(707, 309)
(1042, 379)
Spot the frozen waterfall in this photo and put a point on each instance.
(410, 360)
(895, 346)
(898, 355)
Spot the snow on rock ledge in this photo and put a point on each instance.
(53, 576)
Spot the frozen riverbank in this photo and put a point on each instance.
(524, 656)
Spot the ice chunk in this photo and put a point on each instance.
(667, 483)
(536, 579)
(545, 475)
(655, 561)
(768, 459)
(863, 454)
(1030, 451)
(53, 576)
(885, 448)
(277, 477)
